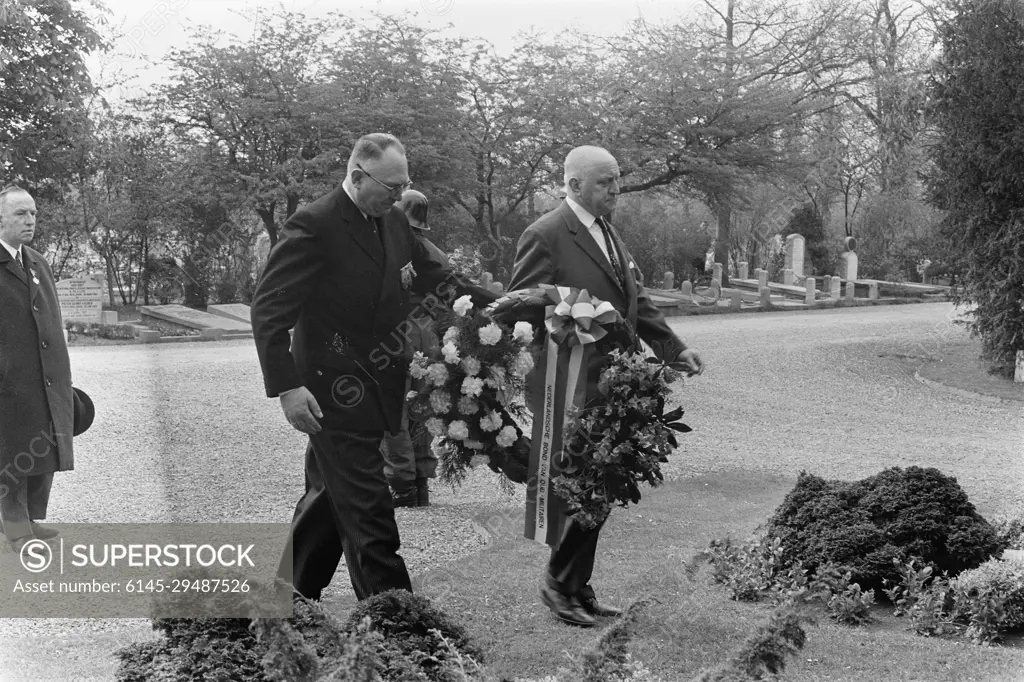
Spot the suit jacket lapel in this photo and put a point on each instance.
(391, 250)
(360, 229)
(12, 265)
(586, 242)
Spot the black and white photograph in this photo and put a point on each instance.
(511, 340)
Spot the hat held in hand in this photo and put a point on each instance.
(85, 411)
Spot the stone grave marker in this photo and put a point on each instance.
(686, 288)
(873, 291)
(717, 270)
(834, 287)
(848, 266)
(192, 319)
(762, 279)
(1018, 368)
(735, 299)
(81, 300)
(827, 286)
(788, 277)
(849, 290)
(742, 270)
(795, 254)
(670, 281)
(486, 279)
(811, 289)
(233, 311)
(497, 288)
(766, 298)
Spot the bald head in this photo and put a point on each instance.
(592, 179)
(17, 216)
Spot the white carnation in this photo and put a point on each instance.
(490, 334)
(450, 353)
(458, 430)
(462, 305)
(507, 437)
(523, 332)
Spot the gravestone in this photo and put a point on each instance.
(762, 279)
(108, 317)
(686, 288)
(743, 270)
(873, 291)
(191, 318)
(827, 286)
(795, 254)
(486, 279)
(716, 268)
(497, 288)
(735, 300)
(849, 290)
(834, 288)
(788, 277)
(81, 300)
(1018, 369)
(848, 260)
(811, 290)
(670, 281)
(233, 311)
(766, 298)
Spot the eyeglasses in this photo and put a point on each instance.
(390, 188)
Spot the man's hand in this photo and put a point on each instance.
(692, 361)
(301, 410)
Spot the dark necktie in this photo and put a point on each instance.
(612, 255)
(378, 227)
(22, 263)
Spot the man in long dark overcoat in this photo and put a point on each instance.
(340, 277)
(36, 404)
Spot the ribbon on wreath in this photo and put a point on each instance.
(575, 321)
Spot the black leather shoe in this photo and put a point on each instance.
(591, 606)
(566, 609)
(404, 498)
(18, 543)
(44, 532)
(422, 492)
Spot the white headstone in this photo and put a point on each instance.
(787, 277)
(717, 270)
(686, 288)
(795, 254)
(735, 299)
(109, 317)
(766, 298)
(497, 288)
(850, 290)
(809, 295)
(486, 279)
(743, 270)
(81, 300)
(848, 266)
(834, 288)
(762, 279)
(873, 291)
(670, 281)
(1018, 370)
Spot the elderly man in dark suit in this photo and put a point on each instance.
(340, 277)
(36, 404)
(575, 246)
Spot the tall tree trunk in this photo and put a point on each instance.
(724, 203)
(267, 214)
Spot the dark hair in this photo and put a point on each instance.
(371, 147)
(415, 206)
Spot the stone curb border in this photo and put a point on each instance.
(692, 310)
(964, 393)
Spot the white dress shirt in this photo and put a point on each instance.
(13, 251)
(590, 222)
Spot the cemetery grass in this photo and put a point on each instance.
(644, 552)
(960, 366)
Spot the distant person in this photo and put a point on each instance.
(36, 398)
(409, 462)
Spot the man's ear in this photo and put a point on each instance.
(574, 185)
(357, 177)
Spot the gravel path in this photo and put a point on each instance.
(184, 433)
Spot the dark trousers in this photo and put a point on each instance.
(572, 560)
(346, 510)
(24, 501)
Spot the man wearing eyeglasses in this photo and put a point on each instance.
(341, 276)
(36, 397)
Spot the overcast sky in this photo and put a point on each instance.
(151, 27)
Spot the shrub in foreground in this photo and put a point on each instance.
(862, 526)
